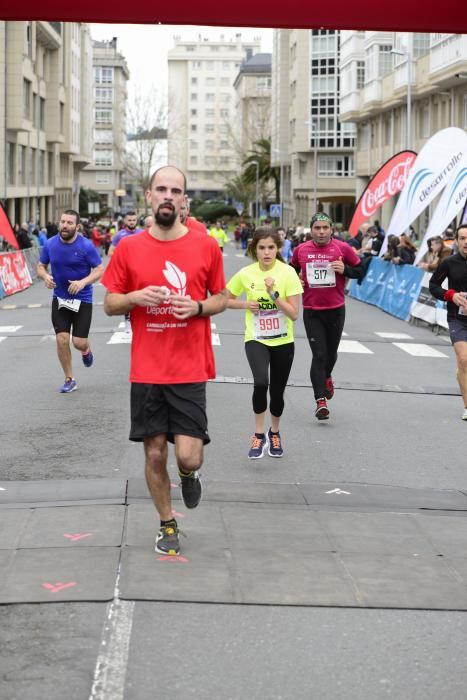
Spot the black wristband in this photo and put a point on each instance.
(200, 309)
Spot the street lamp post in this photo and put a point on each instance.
(281, 186)
(408, 52)
(314, 135)
(255, 162)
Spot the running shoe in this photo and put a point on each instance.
(167, 539)
(329, 390)
(69, 386)
(127, 326)
(322, 410)
(464, 415)
(275, 444)
(258, 447)
(192, 490)
(88, 359)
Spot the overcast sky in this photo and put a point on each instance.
(145, 47)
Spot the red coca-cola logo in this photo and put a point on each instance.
(388, 181)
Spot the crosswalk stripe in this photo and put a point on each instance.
(9, 329)
(215, 339)
(119, 337)
(394, 336)
(419, 350)
(3, 337)
(354, 346)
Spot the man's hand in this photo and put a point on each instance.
(75, 286)
(338, 266)
(153, 295)
(184, 307)
(460, 298)
(49, 281)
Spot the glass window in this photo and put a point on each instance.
(210, 128)
(335, 166)
(102, 178)
(103, 158)
(210, 97)
(103, 136)
(27, 98)
(194, 81)
(224, 113)
(193, 112)
(194, 96)
(225, 81)
(103, 116)
(210, 145)
(194, 127)
(360, 74)
(209, 112)
(210, 81)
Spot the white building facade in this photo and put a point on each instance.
(201, 111)
(45, 97)
(312, 148)
(105, 173)
(376, 69)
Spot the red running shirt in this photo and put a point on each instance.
(312, 260)
(165, 350)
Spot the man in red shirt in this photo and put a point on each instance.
(323, 264)
(170, 279)
(190, 221)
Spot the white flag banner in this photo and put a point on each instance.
(436, 164)
(451, 202)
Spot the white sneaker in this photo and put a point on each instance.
(127, 326)
(464, 415)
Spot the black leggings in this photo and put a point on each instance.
(324, 330)
(279, 360)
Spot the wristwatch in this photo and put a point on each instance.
(274, 295)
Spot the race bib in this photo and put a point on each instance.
(269, 324)
(462, 309)
(71, 304)
(319, 273)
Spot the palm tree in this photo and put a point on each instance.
(240, 190)
(261, 153)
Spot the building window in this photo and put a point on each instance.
(224, 160)
(226, 65)
(193, 112)
(103, 136)
(193, 144)
(209, 160)
(103, 158)
(197, 65)
(103, 116)
(193, 160)
(41, 113)
(426, 121)
(194, 97)
(193, 127)
(210, 65)
(210, 97)
(224, 113)
(190, 48)
(10, 159)
(210, 81)
(335, 166)
(194, 81)
(225, 81)
(104, 95)
(360, 75)
(103, 74)
(263, 83)
(41, 167)
(385, 61)
(210, 145)
(225, 97)
(102, 179)
(210, 112)
(209, 128)
(224, 144)
(26, 98)
(22, 165)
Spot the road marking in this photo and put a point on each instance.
(354, 346)
(119, 337)
(215, 339)
(419, 350)
(33, 306)
(9, 306)
(339, 492)
(112, 660)
(59, 586)
(394, 336)
(9, 329)
(3, 337)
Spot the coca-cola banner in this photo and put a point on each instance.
(451, 202)
(388, 181)
(5, 229)
(435, 166)
(14, 273)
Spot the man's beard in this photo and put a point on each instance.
(67, 235)
(165, 219)
(131, 227)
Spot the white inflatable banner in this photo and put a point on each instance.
(451, 202)
(436, 164)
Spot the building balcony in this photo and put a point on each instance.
(372, 94)
(350, 106)
(49, 34)
(449, 56)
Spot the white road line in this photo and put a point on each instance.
(112, 660)
(394, 336)
(3, 337)
(215, 339)
(344, 334)
(354, 346)
(120, 337)
(9, 329)
(419, 350)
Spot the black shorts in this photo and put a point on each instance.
(457, 330)
(173, 409)
(63, 320)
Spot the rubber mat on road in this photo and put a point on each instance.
(58, 575)
(14, 494)
(298, 556)
(71, 527)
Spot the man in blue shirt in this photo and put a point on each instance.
(130, 227)
(75, 266)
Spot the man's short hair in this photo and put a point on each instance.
(459, 228)
(130, 213)
(163, 168)
(72, 212)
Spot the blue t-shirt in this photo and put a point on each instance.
(286, 250)
(69, 262)
(123, 234)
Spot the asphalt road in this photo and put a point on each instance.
(395, 420)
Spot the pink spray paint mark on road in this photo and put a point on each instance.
(77, 536)
(178, 515)
(177, 557)
(174, 486)
(58, 586)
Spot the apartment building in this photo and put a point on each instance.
(44, 103)
(312, 148)
(202, 118)
(105, 174)
(253, 101)
(376, 70)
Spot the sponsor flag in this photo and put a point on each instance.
(451, 202)
(388, 181)
(435, 166)
(5, 229)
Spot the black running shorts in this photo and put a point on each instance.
(63, 320)
(173, 409)
(458, 330)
